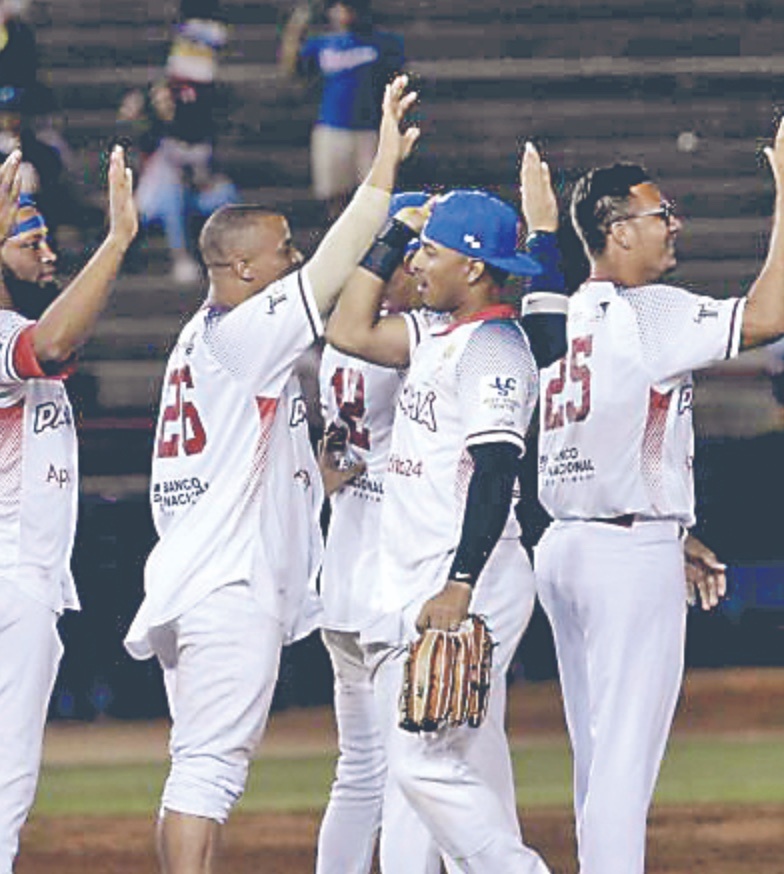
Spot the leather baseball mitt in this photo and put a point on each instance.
(446, 679)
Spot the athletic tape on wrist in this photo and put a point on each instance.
(387, 252)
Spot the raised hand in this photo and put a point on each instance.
(394, 144)
(395, 106)
(10, 186)
(539, 205)
(775, 156)
(123, 218)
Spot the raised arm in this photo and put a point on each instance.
(10, 186)
(763, 315)
(544, 308)
(291, 39)
(350, 237)
(67, 323)
(356, 326)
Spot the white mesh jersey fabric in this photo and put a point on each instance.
(469, 383)
(360, 397)
(235, 488)
(616, 431)
(38, 478)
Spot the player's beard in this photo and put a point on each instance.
(29, 299)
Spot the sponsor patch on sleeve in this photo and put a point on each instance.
(500, 393)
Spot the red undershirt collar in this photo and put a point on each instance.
(496, 311)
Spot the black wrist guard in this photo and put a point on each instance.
(387, 252)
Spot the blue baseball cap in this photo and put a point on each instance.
(482, 226)
(405, 199)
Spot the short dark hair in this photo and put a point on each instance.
(225, 225)
(601, 196)
(497, 274)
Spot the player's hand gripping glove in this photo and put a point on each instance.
(446, 678)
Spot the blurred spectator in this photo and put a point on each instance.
(18, 50)
(174, 127)
(353, 63)
(24, 101)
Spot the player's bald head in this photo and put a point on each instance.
(599, 198)
(232, 230)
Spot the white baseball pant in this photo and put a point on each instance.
(459, 780)
(615, 598)
(30, 653)
(220, 665)
(360, 799)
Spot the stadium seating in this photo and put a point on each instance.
(688, 88)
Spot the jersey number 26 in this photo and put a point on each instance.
(181, 426)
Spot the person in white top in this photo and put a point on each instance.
(448, 539)
(615, 473)
(358, 401)
(41, 328)
(236, 493)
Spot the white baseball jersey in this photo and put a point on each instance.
(616, 432)
(236, 492)
(360, 397)
(38, 472)
(469, 383)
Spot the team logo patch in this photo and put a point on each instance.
(500, 393)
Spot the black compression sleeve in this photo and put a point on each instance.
(487, 507)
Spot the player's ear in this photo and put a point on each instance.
(474, 270)
(619, 232)
(242, 269)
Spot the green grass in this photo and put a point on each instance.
(697, 770)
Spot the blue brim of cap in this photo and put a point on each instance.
(517, 265)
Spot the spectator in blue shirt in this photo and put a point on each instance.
(353, 62)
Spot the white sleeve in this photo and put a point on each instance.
(258, 341)
(11, 327)
(497, 385)
(681, 331)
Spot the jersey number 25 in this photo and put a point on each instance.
(557, 412)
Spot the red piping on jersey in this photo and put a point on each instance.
(25, 361)
(496, 311)
(27, 365)
(653, 443)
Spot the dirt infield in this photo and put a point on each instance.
(710, 838)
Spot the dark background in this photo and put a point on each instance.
(739, 484)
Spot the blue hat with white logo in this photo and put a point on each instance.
(482, 226)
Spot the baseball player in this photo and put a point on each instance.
(236, 494)
(40, 330)
(448, 540)
(615, 472)
(359, 399)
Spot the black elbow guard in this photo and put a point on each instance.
(543, 315)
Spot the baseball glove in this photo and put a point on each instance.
(446, 679)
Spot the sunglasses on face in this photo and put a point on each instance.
(665, 211)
